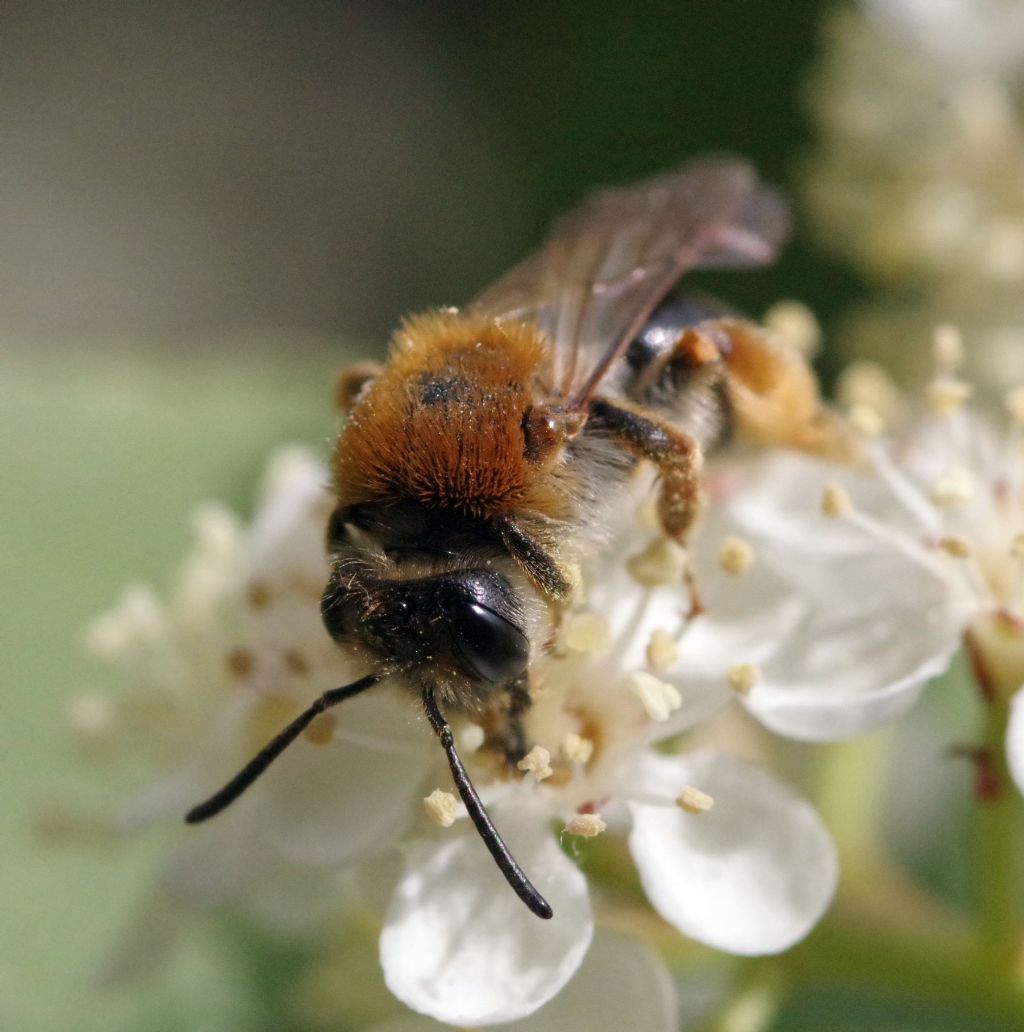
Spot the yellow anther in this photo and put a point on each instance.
(585, 825)
(956, 546)
(1014, 400)
(954, 487)
(742, 677)
(796, 326)
(866, 420)
(659, 698)
(662, 651)
(537, 762)
(577, 749)
(693, 800)
(948, 349)
(662, 563)
(587, 632)
(441, 807)
(835, 501)
(945, 395)
(735, 555)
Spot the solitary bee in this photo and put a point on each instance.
(478, 466)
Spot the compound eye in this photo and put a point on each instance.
(492, 648)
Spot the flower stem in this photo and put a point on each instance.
(996, 843)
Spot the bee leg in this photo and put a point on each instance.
(351, 380)
(530, 554)
(676, 454)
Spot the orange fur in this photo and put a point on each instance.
(443, 423)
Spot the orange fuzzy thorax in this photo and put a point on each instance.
(443, 424)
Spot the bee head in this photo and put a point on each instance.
(450, 613)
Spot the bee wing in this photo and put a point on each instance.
(608, 263)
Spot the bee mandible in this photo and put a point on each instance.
(482, 461)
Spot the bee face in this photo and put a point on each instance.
(446, 616)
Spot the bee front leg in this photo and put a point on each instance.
(677, 456)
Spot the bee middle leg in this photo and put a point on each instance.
(676, 454)
(515, 736)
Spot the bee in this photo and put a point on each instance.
(479, 464)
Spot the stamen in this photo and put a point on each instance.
(662, 651)
(948, 395)
(867, 421)
(903, 489)
(948, 349)
(586, 825)
(661, 564)
(955, 487)
(441, 807)
(735, 556)
(694, 801)
(587, 632)
(659, 698)
(577, 749)
(868, 384)
(956, 546)
(536, 763)
(1014, 401)
(795, 325)
(835, 501)
(742, 677)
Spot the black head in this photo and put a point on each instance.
(468, 626)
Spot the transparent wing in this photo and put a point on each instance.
(607, 264)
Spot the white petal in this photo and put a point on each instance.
(1015, 739)
(334, 803)
(750, 876)
(874, 626)
(622, 984)
(460, 946)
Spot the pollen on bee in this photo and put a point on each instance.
(662, 651)
(742, 677)
(585, 825)
(536, 763)
(441, 807)
(835, 501)
(577, 749)
(735, 555)
(661, 564)
(694, 801)
(954, 487)
(659, 698)
(587, 632)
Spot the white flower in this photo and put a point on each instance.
(725, 853)
(901, 563)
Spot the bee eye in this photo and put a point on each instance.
(492, 648)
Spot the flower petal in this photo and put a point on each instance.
(621, 984)
(1015, 739)
(459, 945)
(876, 624)
(354, 796)
(750, 876)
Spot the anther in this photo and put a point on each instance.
(956, 546)
(441, 807)
(587, 632)
(536, 763)
(947, 395)
(585, 825)
(659, 698)
(662, 563)
(662, 651)
(742, 677)
(954, 487)
(577, 749)
(1014, 400)
(694, 801)
(796, 326)
(835, 501)
(948, 348)
(735, 555)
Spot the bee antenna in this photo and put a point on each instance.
(277, 745)
(513, 873)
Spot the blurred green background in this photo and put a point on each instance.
(205, 211)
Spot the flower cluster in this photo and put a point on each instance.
(917, 176)
(725, 852)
